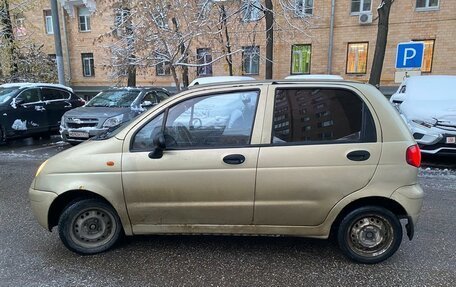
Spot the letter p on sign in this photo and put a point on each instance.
(409, 55)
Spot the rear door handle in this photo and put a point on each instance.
(234, 159)
(358, 155)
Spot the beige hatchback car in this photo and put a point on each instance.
(296, 158)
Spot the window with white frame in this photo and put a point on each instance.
(204, 58)
(303, 7)
(204, 8)
(427, 4)
(20, 26)
(251, 60)
(48, 22)
(360, 6)
(251, 10)
(163, 68)
(84, 19)
(88, 65)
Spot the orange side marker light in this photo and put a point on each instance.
(110, 163)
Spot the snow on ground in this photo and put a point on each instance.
(437, 172)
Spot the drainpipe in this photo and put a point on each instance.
(67, 47)
(331, 37)
(58, 42)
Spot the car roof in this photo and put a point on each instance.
(31, 85)
(219, 79)
(136, 89)
(314, 77)
(272, 82)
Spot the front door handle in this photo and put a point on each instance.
(358, 155)
(234, 159)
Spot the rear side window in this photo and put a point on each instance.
(52, 95)
(321, 116)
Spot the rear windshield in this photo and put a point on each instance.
(114, 99)
(6, 94)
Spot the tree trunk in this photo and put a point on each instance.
(175, 78)
(131, 82)
(382, 39)
(185, 80)
(8, 36)
(131, 69)
(269, 14)
(228, 57)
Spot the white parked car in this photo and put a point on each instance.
(219, 79)
(428, 106)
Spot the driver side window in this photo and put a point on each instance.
(223, 120)
(30, 96)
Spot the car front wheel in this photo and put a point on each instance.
(369, 234)
(89, 226)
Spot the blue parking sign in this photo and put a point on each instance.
(409, 55)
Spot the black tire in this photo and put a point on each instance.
(89, 226)
(2, 136)
(369, 234)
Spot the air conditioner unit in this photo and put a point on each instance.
(365, 18)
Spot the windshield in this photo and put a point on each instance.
(114, 99)
(6, 94)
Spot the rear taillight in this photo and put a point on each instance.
(413, 156)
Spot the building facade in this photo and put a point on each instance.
(84, 22)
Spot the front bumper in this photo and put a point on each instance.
(41, 202)
(92, 132)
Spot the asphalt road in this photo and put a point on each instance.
(32, 256)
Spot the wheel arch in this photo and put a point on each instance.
(64, 199)
(379, 201)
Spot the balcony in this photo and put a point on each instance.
(70, 5)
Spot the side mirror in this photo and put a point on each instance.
(18, 101)
(159, 146)
(147, 104)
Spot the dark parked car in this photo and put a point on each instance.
(33, 109)
(108, 109)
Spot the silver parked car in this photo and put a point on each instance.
(108, 109)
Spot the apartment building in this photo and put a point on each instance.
(86, 58)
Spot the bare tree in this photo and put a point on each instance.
(382, 38)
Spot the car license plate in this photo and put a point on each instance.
(84, 135)
(451, 140)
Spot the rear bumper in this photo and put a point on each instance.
(411, 198)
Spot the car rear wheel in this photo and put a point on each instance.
(369, 234)
(89, 226)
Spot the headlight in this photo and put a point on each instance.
(40, 168)
(424, 123)
(114, 121)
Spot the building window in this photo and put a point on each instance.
(84, 19)
(251, 10)
(204, 8)
(163, 68)
(357, 58)
(426, 67)
(300, 59)
(251, 60)
(20, 26)
(88, 66)
(303, 7)
(427, 4)
(359, 6)
(48, 22)
(204, 58)
(53, 58)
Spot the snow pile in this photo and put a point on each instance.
(436, 172)
(19, 125)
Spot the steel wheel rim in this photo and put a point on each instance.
(370, 235)
(93, 227)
